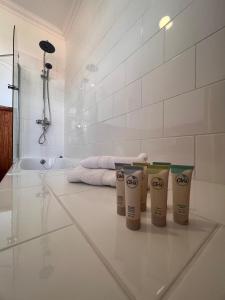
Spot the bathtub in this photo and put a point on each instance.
(40, 163)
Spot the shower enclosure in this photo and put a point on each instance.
(46, 120)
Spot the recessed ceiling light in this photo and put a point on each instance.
(165, 22)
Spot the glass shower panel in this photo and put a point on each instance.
(15, 99)
(6, 67)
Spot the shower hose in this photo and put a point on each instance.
(42, 139)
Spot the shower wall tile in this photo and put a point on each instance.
(198, 21)
(210, 59)
(127, 99)
(105, 109)
(172, 78)
(210, 158)
(178, 150)
(125, 21)
(158, 91)
(123, 49)
(124, 148)
(158, 10)
(146, 122)
(200, 111)
(145, 59)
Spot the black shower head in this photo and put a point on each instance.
(48, 66)
(47, 47)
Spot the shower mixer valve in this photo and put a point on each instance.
(43, 122)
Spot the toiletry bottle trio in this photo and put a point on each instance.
(132, 188)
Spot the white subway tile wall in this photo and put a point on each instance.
(157, 90)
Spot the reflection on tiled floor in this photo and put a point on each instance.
(147, 260)
(21, 180)
(60, 265)
(208, 270)
(60, 185)
(28, 212)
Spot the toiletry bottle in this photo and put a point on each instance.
(120, 188)
(158, 176)
(144, 187)
(181, 178)
(133, 185)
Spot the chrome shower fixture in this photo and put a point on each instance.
(92, 68)
(46, 120)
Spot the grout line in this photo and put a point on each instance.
(35, 237)
(161, 100)
(163, 119)
(164, 61)
(125, 32)
(164, 44)
(98, 253)
(195, 156)
(179, 53)
(172, 286)
(149, 139)
(195, 67)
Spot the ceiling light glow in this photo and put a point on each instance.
(165, 22)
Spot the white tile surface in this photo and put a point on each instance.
(105, 108)
(127, 99)
(207, 200)
(124, 48)
(60, 185)
(148, 57)
(174, 150)
(165, 63)
(206, 276)
(200, 111)
(129, 16)
(200, 19)
(29, 212)
(159, 9)
(210, 59)
(210, 158)
(127, 148)
(57, 266)
(116, 127)
(146, 122)
(23, 179)
(173, 78)
(152, 256)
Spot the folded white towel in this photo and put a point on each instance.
(108, 162)
(92, 176)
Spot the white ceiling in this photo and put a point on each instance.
(56, 12)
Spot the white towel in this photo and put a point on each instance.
(108, 162)
(92, 176)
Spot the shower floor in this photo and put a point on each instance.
(65, 241)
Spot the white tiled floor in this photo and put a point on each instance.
(21, 180)
(57, 266)
(147, 260)
(28, 212)
(70, 262)
(205, 272)
(60, 185)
